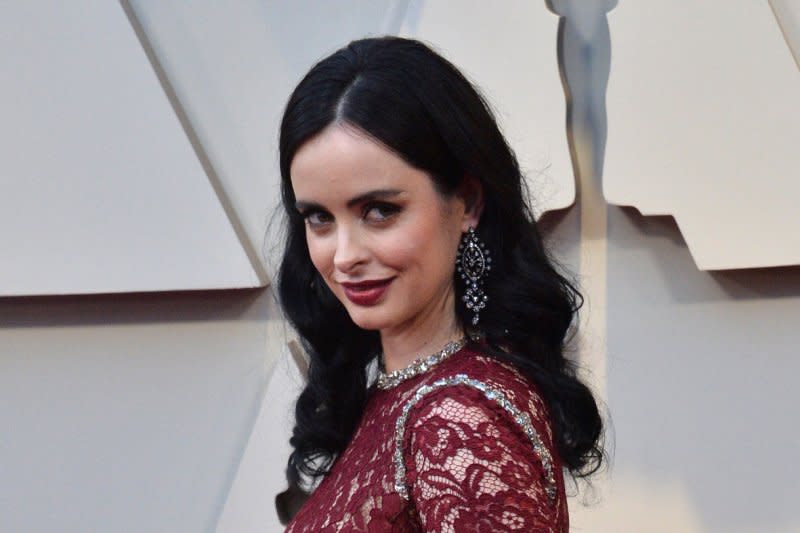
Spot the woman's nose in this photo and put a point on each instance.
(350, 250)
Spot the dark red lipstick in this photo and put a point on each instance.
(366, 292)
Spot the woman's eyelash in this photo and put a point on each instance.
(372, 210)
(309, 215)
(386, 209)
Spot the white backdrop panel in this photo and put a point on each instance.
(101, 188)
(704, 122)
(510, 53)
(788, 15)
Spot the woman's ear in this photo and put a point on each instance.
(471, 192)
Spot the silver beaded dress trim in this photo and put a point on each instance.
(419, 366)
(490, 393)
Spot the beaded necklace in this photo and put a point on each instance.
(418, 366)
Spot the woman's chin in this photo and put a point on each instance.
(369, 319)
(368, 324)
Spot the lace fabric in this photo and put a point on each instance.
(470, 465)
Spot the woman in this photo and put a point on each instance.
(411, 246)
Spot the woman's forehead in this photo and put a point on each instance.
(342, 163)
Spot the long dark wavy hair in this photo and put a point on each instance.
(402, 94)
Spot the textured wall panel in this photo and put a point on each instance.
(101, 188)
(704, 122)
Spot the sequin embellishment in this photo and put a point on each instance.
(490, 393)
(419, 366)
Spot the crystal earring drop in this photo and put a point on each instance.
(473, 264)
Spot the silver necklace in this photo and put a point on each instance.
(418, 366)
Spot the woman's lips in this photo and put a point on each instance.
(366, 292)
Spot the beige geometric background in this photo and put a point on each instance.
(102, 190)
(706, 116)
(140, 157)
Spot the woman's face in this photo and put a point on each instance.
(381, 236)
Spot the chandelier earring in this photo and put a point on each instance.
(473, 263)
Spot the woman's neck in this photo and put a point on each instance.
(402, 346)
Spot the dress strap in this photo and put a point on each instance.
(493, 394)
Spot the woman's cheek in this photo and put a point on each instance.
(399, 251)
(420, 243)
(321, 257)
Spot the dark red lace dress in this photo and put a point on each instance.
(463, 447)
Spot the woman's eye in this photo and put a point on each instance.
(317, 218)
(380, 212)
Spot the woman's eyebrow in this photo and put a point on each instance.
(378, 194)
